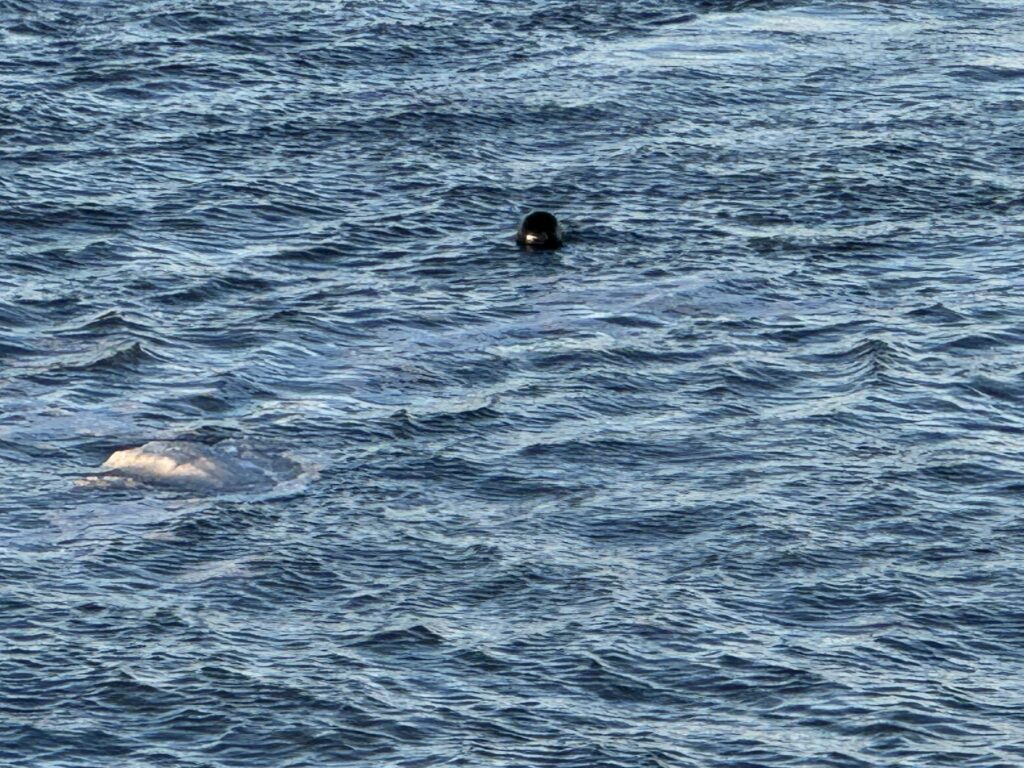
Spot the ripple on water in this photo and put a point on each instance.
(730, 479)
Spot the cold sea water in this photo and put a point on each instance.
(733, 479)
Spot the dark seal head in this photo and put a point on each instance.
(539, 230)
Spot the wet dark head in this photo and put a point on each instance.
(539, 230)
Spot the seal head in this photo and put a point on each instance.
(539, 230)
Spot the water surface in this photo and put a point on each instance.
(733, 479)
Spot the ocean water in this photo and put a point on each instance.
(733, 479)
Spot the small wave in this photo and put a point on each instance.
(407, 638)
(994, 71)
(111, 357)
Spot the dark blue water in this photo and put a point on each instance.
(733, 479)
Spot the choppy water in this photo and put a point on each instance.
(734, 479)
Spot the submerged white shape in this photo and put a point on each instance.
(225, 466)
(218, 569)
